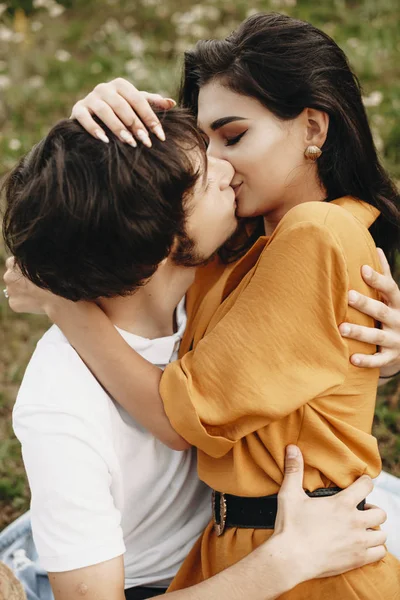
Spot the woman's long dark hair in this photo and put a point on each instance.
(289, 65)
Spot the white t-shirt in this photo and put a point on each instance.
(101, 485)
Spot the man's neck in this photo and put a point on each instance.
(150, 311)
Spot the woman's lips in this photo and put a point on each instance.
(237, 188)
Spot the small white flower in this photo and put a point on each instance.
(5, 82)
(374, 99)
(36, 26)
(14, 144)
(35, 82)
(212, 13)
(136, 45)
(132, 65)
(6, 35)
(353, 42)
(378, 140)
(56, 10)
(198, 31)
(111, 26)
(62, 55)
(42, 3)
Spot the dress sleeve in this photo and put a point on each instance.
(277, 348)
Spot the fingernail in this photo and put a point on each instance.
(127, 137)
(353, 296)
(144, 138)
(101, 136)
(356, 361)
(292, 451)
(367, 271)
(345, 329)
(171, 101)
(158, 130)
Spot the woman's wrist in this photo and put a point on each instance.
(57, 308)
(389, 372)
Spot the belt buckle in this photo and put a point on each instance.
(219, 527)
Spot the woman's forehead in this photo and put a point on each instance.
(217, 103)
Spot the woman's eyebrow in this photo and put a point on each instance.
(218, 123)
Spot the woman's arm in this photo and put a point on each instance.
(232, 384)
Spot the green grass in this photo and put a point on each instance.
(48, 62)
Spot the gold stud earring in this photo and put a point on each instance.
(312, 152)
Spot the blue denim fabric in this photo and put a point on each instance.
(18, 551)
(17, 548)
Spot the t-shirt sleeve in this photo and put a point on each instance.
(75, 521)
(277, 348)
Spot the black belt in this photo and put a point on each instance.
(254, 513)
(142, 593)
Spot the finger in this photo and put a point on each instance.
(125, 115)
(374, 554)
(10, 263)
(159, 101)
(372, 517)
(374, 308)
(382, 283)
(107, 115)
(294, 472)
(376, 538)
(384, 262)
(142, 108)
(372, 361)
(83, 116)
(11, 276)
(357, 491)
(377, 337)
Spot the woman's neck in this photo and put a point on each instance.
(312, 192)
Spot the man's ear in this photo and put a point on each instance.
(317, 125)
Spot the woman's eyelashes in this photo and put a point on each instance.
(231, 141)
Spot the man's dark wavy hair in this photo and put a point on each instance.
(289, 65)
(86, 219)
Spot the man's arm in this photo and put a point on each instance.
(105, 580)
(335, 533)
(387, 313)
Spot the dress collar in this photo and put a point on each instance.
(363, 212)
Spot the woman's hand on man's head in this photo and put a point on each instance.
(386, 312)
(125, 110)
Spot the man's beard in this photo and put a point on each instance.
(186, 255)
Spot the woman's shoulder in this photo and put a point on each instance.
(341, 219)
(341, 224)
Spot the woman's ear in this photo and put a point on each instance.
(317, 125)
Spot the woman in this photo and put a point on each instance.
(265, 364)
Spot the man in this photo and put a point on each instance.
(112, 507)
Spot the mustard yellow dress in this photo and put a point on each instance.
(263, 365)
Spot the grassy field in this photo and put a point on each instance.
(52, 54)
